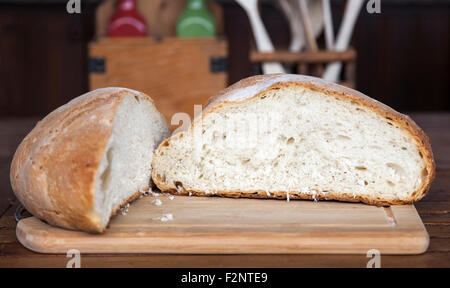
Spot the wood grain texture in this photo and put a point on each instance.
(164, 70)
(433, 207)
(322, 56)
(248, 226)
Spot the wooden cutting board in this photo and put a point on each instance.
(222, 225)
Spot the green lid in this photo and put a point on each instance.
(196, 21)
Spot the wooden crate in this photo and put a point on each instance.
(177, 73)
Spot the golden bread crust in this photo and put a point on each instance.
(54, 169)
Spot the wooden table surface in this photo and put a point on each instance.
(433, 209)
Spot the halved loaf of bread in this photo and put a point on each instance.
(297, 137)
(88, 158)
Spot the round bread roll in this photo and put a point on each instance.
(88, 158)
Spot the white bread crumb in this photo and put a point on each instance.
(154, 194)
(166, 217)
(124, 209)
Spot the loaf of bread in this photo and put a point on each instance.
(88, 158)
(297, 137)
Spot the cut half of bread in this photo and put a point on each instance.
(297, 137)
(88, 158)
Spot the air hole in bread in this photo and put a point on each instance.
(375, 147)
(362, 168)
(343, 137)
(282, 138)
(105, 175)
(290, 140)
(178, 185)
(397, 168)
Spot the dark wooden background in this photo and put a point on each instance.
(403, 52)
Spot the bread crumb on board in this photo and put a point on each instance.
(391, 221)
(124, 209)
(164, 218)
(154, 194)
